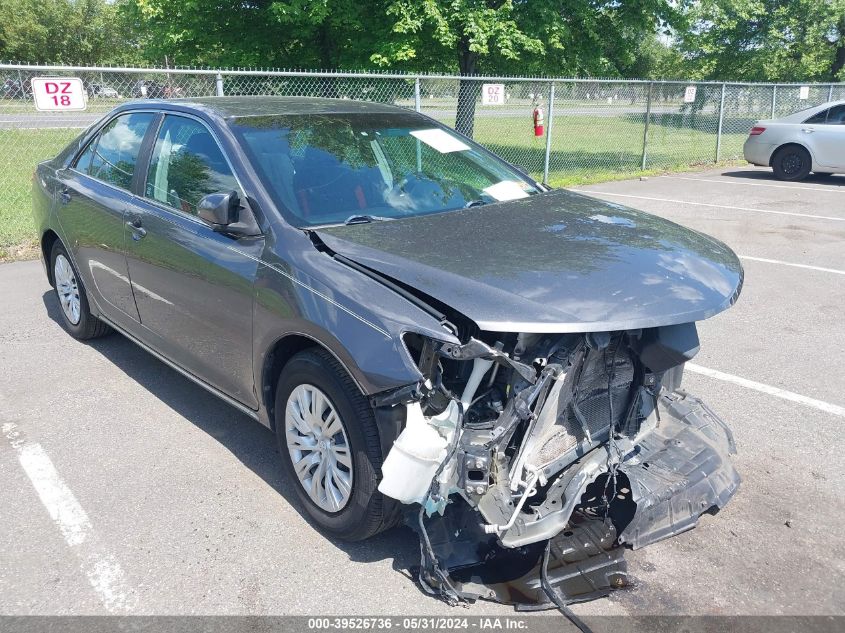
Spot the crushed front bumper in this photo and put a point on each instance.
(676, 469)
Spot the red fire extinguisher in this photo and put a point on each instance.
(538, 121)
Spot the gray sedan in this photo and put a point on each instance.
(433, 336)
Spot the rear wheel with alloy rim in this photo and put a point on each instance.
(76, 316)
(67, 288)
(330, 446)
(792, 162)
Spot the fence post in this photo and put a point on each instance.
(549, 132)
(721, 121)
(830, 93)
(774, 100)
(645, 127)
(418, 107)
(219, 82)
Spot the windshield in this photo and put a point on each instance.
(330, 168)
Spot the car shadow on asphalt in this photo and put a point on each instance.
(763, 176)
(253, 444)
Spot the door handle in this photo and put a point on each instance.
(64, 195)
(807, 130)
(138, 231)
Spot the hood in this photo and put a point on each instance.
(554, 262)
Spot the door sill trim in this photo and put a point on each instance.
(198, 381)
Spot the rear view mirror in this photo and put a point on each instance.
(219, 209)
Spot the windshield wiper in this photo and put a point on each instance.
(475, 203)
(364, 219)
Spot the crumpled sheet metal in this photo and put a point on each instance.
(678, 470)
(584, 564)
(683, 471)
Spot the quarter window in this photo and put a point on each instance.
(111, 157)
(186, 165)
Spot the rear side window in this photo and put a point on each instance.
(111, 157)
(186, 165)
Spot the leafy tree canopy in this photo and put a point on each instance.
(775, 40)
(771, 40)
(65, 32)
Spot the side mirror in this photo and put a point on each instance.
(219, 209)
(227, 213)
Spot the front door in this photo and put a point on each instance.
(192, 285)
(829, 139)
(93, 198)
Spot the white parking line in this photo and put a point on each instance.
(101, 568)
(807, 266)
(767, 389)
(833, 189)
(715, 206)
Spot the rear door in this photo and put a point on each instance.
(829, 139)
(94, 195)
(192, 285)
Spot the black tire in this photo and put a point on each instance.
(88, 326)
(792, 162)
(367, 512)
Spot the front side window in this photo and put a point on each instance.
(186, 165)
(111, 157)
(326, 168)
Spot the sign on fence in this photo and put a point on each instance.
(689, 94)
(58, 93)
(804, 92)
(493, 94)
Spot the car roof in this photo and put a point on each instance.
(237, 107)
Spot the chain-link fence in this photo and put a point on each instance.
(593, 129)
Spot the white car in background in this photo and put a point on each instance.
(812, 140)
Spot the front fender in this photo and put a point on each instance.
(356, 318)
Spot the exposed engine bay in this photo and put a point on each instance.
(535, 459)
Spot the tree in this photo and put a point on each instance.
(489, 36)
(64, 32)
(328, 34)
(765, 40)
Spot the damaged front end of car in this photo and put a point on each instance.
(536, 459)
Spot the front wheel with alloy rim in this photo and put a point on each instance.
(76, 315)
(330, 446)
(318, 448)
(792, 162)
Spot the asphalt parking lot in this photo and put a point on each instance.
(181, 508)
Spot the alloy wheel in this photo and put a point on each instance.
(318, 447)
(67, 289)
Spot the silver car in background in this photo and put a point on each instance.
(811, 140)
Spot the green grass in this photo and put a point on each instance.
(588, 149)
(22, 151)
(584, 150)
